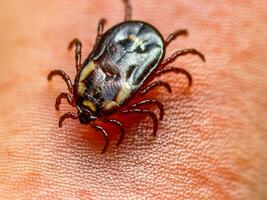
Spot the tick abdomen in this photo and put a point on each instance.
(124, 58)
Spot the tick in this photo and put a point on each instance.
(123, 64)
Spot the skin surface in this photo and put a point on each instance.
(212, 143)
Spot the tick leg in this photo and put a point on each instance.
(146, 112)
(78, 52)
(105, 135)
(100, 30)
(66, 96)
(68, 115)
(179, 53)
(63, 75)
(128, 10)
(121, 127)
(174, 35)
(149, 102)
(154, 85)
(177, 71)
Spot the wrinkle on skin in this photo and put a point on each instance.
(212, 143)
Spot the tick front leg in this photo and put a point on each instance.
(121, 127)
(66, 96)
(128, 10)
(68, 115)
(151, 102)
(64, 76)
(177, 71)
(105, 135)
(78, 52)
(183, 52)
(174, 35)
(155, 85)
(145, 112)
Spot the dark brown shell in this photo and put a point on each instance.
(122, 61)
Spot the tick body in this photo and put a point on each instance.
(122, 65)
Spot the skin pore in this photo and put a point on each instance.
(211, 144)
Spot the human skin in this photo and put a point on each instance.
(212, 143)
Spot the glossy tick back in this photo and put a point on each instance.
(124, 61)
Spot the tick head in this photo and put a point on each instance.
(85, 115)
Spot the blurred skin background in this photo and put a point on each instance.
(212, 143)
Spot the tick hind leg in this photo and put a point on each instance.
(119, 125)
(128, 10)
(147, 102)
(105, 136)
(78, 52)
(100, 31)
(145, 112)
(155, 85)
(66, 96)
(174, 35)
(64, 76)
(177, 71)
(179, 53)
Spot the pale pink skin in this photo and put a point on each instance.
(212, 143)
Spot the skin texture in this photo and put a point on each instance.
(212, 143)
